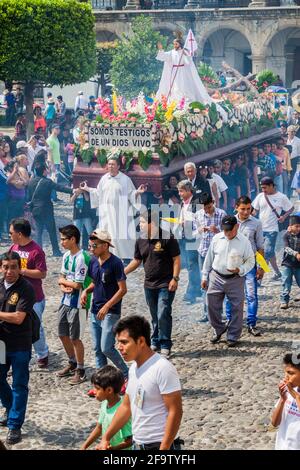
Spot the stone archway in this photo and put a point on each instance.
(283, 55)
(228, 45)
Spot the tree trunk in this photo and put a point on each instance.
(102, 84)
(28, 95)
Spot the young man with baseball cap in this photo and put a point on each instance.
(109, 287)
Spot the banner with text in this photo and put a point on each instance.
(127, 138)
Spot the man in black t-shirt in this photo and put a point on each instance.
(160, 255)
(17, 298)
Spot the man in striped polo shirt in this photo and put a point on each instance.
(71, 319)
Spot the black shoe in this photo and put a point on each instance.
(13, 436)
(252, 330)
(216, 338)
(231, 343)
(3, 417)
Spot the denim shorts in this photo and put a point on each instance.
(269, 244)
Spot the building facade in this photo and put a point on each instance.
(249, 35)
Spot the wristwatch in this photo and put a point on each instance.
(176, 278)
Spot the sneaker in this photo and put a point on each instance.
(124, 386)
(231, 343)
(252, 330)
(165, 353)
(68, 370)
(203, 319)
(276, 277)
(284, 305)
(91, 393)
(3, 417)
(78, 378)
(42, 363)
(13, 436)
(154, 348)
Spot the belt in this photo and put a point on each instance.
(151, 445)
(180, 65)
(176, 445)
(226, 276)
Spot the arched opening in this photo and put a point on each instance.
(230, 46)
(105, 36)
(283, 55)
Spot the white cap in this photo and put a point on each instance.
(21, 144)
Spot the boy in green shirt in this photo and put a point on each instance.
(108, 382)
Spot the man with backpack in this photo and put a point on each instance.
(72, 320)
(17, 298)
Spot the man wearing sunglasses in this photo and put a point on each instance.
(108, 287)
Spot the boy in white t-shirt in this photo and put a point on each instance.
(153, 395)
(286, 414)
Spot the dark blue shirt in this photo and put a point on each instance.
(106, 278)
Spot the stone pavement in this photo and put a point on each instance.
(228, 394)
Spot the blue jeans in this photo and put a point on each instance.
(270, 244)
(159, 302)
(81, 223)
(251, 296)
(104, 342)
(40, 346)
(14, 398)
(190, 257)
(278, 180)
(287, 279)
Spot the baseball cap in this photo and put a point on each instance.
(267, 180)
(228, 222)
(102, 235)
(21, 144)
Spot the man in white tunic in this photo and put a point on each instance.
(116, 199)
(180, 78)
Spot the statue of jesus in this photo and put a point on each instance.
(180, 78)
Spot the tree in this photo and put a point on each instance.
(105, 52)
(48, 42)
(134, 65)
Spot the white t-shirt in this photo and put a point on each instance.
(221, 185)
(267, 217)
(288, 434)
(146, 385)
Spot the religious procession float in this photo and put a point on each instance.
(185, 121)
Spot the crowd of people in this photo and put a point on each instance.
(221, 214)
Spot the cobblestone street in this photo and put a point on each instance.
(228, 394)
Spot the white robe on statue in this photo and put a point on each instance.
(115, 199)
(180, 73)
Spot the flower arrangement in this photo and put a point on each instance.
(181, 128)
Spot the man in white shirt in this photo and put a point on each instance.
(81, 103)
(229, 258)
(270, 203)
(221, 185)
(153, 396)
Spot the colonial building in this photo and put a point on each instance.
(249, 35)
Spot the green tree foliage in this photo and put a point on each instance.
(48, 42)
(134, 67)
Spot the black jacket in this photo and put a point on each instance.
(41, 202)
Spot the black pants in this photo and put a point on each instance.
(46, 221)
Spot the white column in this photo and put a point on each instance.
(132, 5)
(258, 62)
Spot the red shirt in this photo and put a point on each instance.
(32, 257)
